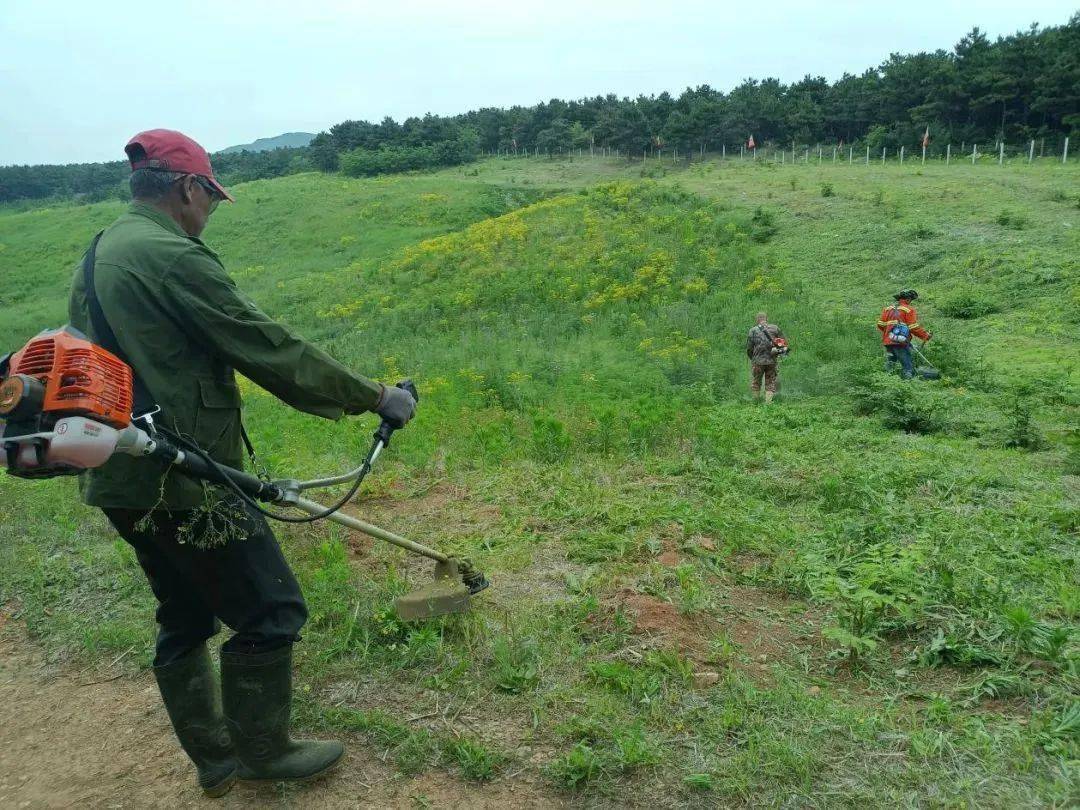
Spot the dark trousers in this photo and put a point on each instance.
(205, 570)
(901, 355)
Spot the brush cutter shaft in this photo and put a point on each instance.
(252, 486)
(922, 356)
(314, 508)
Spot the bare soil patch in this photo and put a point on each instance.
(767, 623)
(78, 739)
(764, 627)
(745, 562)
(663, 621)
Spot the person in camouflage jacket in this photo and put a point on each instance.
(764, 362)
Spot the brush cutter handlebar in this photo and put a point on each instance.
(382, 440)
(386, 429)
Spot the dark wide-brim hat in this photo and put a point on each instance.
(906, 295)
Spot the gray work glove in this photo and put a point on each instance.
(396, 406)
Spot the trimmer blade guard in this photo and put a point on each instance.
(437, 599)
(449, 593)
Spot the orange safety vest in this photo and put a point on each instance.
(900, 312)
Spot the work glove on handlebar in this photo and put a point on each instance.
(396, 406)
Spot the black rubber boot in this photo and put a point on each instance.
(191, 696)
(257, 692)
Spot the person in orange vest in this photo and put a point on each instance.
(899, 324)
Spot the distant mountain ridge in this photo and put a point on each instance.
(288, 140)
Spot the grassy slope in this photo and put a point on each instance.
(885, 610)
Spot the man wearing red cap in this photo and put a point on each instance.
(159, 298)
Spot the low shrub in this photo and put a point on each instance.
(968, 305)
(1012, 220)
(763, 225)
(907, 405)
(1020, 428)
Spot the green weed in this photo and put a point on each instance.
(475, 761)
(576, 768)
(515, 664)
(701, 782)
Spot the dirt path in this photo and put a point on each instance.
(88, 740)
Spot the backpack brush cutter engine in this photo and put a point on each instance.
(65, 407)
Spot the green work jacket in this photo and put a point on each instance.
(184, 326)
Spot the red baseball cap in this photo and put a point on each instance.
(172, 151)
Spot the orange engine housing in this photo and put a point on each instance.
(80, 379)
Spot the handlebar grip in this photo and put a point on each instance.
(384, 430)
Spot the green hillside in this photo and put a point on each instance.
(864, 593)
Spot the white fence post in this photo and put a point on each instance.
(1001, 153)
(883, 155)
(867, 154)
(819, 154)
(948, 154)
(808, 155)
(1031, 151)
(924, 154)
(974, 152)
(834, 154)
(901, 156)
(1065, 151)
(723, 152)
(850, 155)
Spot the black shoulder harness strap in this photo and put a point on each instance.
(106, 338)
(144, 405)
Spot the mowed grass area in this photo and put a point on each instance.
(866, 593)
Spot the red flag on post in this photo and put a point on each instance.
(926, 137)
(750, 143)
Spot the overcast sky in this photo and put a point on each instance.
(79, 77)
